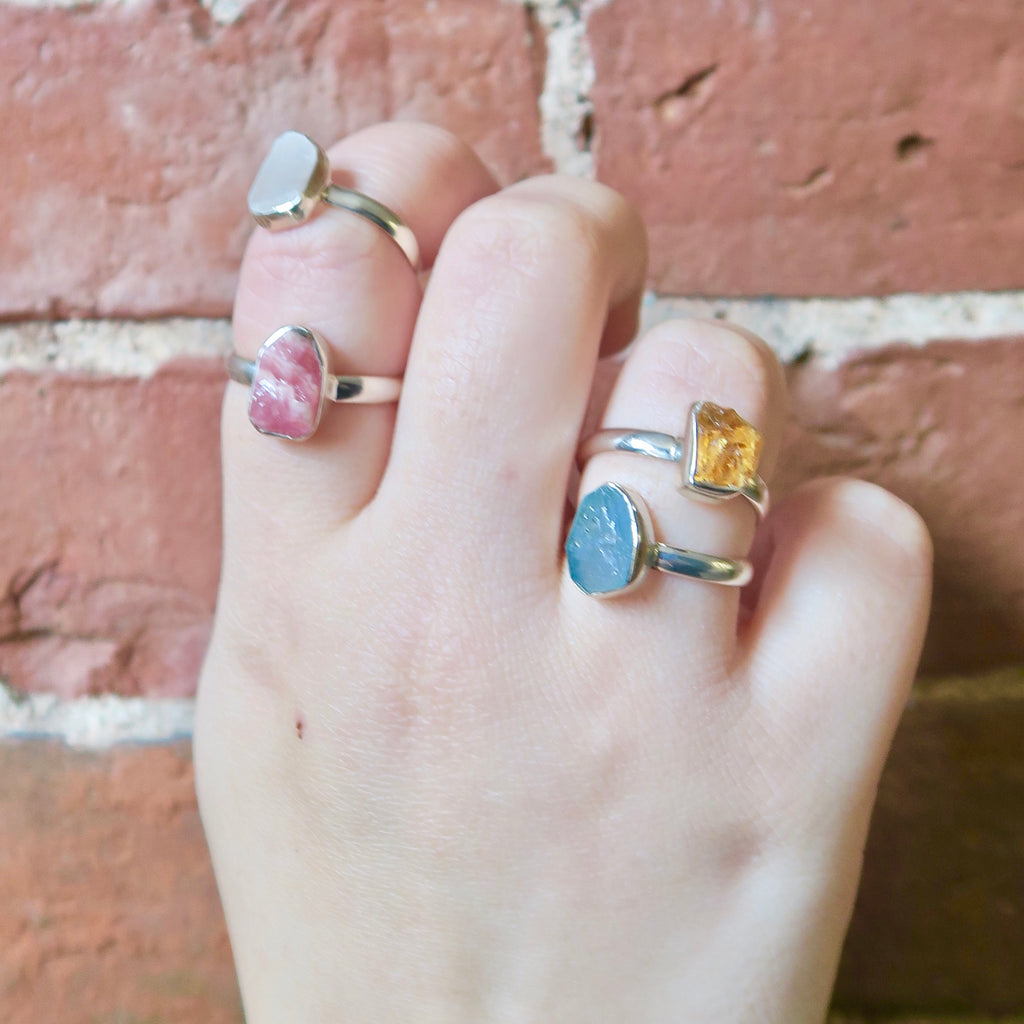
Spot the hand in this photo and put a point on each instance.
(439, 782)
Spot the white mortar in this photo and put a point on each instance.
(120, 348)
(92, 723)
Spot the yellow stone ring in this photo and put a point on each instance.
(718, 454)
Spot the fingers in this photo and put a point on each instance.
(835, 638)
(673, 366)
(525, 285)
(342, 276)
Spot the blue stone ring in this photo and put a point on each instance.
(611, 545)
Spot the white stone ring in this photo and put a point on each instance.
(718, 454)
(290, 384)
(611, 545)
(296, 175)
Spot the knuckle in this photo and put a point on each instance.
(728, 360)
(528, 235)
(306, 261)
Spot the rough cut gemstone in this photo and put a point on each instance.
(289, 182)
(728, 447)
(603, 546)
(287, 386)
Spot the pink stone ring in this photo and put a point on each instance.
(290, 383)
(295, 177)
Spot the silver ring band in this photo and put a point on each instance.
(611, 544)
(352, 389)
(729, 572)
(685, 452)
(377, 213)
(657, 445)
(295, 177)
(289, 384)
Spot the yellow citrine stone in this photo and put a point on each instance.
(728, 447)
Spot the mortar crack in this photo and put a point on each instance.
(17, 588)
(689, 85)
(48, 633)
(816, 180)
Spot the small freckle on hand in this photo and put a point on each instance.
(299, 726)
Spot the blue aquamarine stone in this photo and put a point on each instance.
(603, 545)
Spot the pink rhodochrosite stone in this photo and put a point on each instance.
(287, 385)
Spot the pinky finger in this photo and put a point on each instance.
(833, 642)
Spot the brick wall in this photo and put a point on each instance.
(863, 164)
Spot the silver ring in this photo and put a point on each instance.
(290, 383)
(717, 455)
(611, 545)
(296, 175)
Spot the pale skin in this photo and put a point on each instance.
(438, 782)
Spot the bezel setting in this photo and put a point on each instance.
(289, 183)
(688, 464)
(600, 537)
(321, 357)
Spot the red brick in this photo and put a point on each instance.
(108, 908)
(830, 148)
(131, 131)
(110, 555)
(940, 426)
(939, 921)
